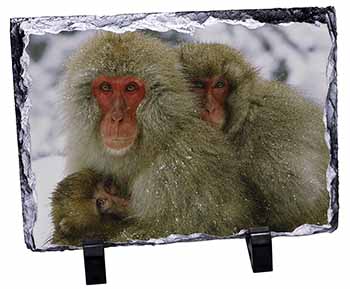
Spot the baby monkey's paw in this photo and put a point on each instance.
(77, 222)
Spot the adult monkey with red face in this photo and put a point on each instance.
(130, 118)
(277, 136)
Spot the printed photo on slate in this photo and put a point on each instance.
(167, 127)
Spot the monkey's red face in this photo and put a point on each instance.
(213, 92)
(118, 99)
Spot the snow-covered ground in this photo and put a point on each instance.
(296, 54)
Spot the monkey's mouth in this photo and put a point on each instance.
(214, 120)
(117, 137)
(119, 142)
(118, 145)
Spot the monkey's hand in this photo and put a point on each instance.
(80, 218)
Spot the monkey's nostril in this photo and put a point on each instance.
(100, 203)
(116, 118)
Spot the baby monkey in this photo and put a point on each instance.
(101, 203)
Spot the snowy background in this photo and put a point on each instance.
(296, 54)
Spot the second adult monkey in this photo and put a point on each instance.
(277, 136)
(129, 116)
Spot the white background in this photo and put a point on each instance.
(319, 261)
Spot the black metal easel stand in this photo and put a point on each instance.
(94, 260)
(259, 243)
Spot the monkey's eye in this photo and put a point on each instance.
(132, 86)
(105, 86)
(198, 84)
(220, 84)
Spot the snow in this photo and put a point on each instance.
(48, 172)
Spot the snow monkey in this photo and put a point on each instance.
(129, 116)
(277, 136)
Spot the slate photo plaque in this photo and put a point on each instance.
(168, 127)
